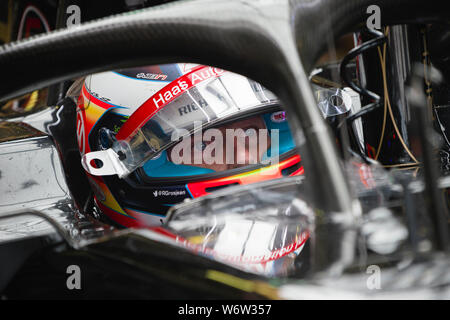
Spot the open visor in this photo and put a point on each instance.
(201, 99)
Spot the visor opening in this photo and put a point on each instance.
(212, 189)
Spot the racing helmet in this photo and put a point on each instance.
(142, 133)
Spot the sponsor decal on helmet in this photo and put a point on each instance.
(99, 97)
(278, 117)
(169, 193)
(192, 107)
(151, 76)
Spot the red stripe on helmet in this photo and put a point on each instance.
(164, 96)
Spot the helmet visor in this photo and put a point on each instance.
(202, 99)
(257, 139)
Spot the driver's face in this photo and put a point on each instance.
(241, 147)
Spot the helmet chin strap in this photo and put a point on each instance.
(120, 159)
